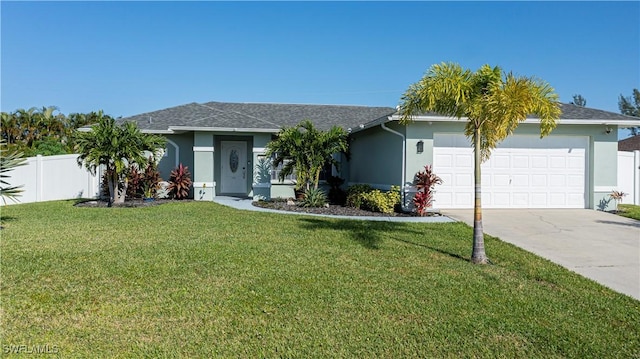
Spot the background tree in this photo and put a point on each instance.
(578, 100)
(630, 106)
(8, 162)
(42, 131)
(116, 148)
(305, 150)
(493, 104)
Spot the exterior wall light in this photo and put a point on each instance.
(420, 146)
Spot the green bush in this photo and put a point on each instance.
(365, 197)
(314, 197)
(378, 201)
(354, 198)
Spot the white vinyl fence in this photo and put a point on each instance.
(629, 176)
(48, 178)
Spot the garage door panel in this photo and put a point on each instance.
(500, 180)
(539, 161)
(461, 198)
(500, 199)
(445, 177)
(523, 173)
(521, 199)
(521, 161)
(520, 180)
(463, 180)
(444, 160)
(557, 162)
(574, 180)
(443, 200)
(575, 200)
(539, 180)
(576, 162)
(500, 161)
(557, 180)
(538, 200)
(557, 198)
(463, 160)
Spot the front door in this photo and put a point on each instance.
(233, 167)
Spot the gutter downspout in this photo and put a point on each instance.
(404, 164)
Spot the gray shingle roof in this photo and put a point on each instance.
(573, 112)
(258, 116)
(272, 117)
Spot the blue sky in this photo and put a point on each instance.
(128, 58)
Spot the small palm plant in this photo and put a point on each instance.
(617, 196)
(314, 197)
(179, 182)
(8, 162)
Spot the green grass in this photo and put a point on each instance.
(629, 210)
(201, 280)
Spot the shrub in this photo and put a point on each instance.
(336, 194)
(48, 147)
(353, 194)
(136, 179)
(151, 179)
(378, 201)
(314, 197)
(179, 182)
(425, 181)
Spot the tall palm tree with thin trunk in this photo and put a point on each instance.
(493, 103)
(116, 148)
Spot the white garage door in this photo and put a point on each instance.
(523, 172)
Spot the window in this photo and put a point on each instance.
(324, 174)
(275, 174)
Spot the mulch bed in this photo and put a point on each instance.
(333, 209)
(132, 203)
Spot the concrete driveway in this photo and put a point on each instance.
(598, 245)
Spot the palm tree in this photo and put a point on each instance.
(305, 150)
(8, 162)
(10, 129)
(116, 148)
(493, 104)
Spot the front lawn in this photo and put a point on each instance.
(201, 280)
(629, 210)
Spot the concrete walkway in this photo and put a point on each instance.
(246, 204)
(598, 245)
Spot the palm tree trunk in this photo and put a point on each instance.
(112, 182)
(478, 255)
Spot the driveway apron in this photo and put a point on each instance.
(597, 245)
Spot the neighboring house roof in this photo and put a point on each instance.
(254, 117)
(629, 144)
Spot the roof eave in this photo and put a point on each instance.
(563, 121)
(222, 129)
(158, 132)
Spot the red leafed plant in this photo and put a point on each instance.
(425, 181)
(179, 182)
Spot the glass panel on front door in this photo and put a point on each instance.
(233, 161)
